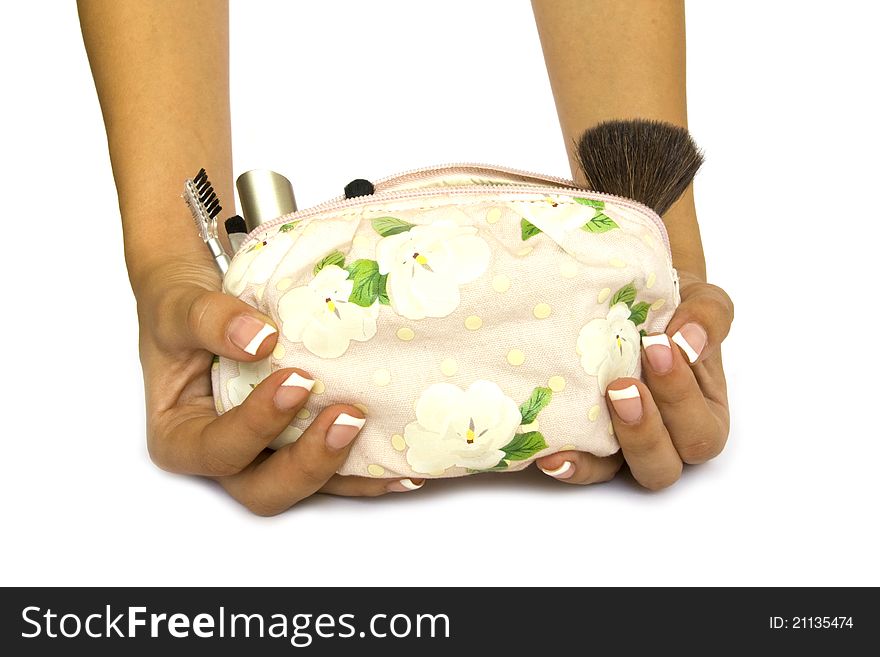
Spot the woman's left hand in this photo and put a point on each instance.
(679, 414)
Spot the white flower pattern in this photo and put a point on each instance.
(556, 220)
(427, 264)
(609, 346)
(256, 264)
(321, 317)
(460, 428)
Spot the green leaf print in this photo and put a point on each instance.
(539, 398)
(626, 294)
(383, 291)
(387, 226)
(639, 312)
(599, 205)
(333, 258)
(366, 277)
(524, 446)
(286, 228)
(601, 223)
(529, 229)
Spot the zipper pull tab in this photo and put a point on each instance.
(359, 187)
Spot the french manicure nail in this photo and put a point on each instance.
(627, 403)
(564, 471)
(659, 352)
(343, 430)
(403, 486)
(247, 333)
(293, 391)
(692, 339)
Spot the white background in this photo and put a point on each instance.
(782, 98)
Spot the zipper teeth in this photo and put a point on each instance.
(567, 187)
(415, 174)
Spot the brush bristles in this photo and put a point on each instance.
(648, 161)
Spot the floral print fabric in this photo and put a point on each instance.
(477, 332)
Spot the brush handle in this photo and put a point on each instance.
(218, 254)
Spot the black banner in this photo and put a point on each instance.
(340, 621)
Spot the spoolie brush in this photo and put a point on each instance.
(648, 161)
(205, 206)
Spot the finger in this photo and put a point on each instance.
(299, 469)
(643, 438)
(211, 445)
(192, 317)
(702, 321)
(368, 487)
(693, 426)
(580, 467)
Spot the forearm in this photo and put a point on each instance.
(619, 60)
(161, 71)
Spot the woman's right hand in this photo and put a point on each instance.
(185, 320)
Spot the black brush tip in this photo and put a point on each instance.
(649, 161)
(235, 224)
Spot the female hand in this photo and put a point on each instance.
(184, 321)
(679, 414)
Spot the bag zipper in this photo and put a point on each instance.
(561, 186)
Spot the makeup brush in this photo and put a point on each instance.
(205, 206)
(648, 161)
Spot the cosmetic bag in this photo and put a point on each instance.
(475, 314)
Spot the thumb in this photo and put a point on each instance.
(198, 318)
(702, 321)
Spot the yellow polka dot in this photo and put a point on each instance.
(449, 367)
(473, 322)
(360, 241)
(437, 473)
(568, 448)
(318, 388)
(362, 408)
(493, 216)
(381, 377)
(652, 278)
(658, 304)
(610, 429)
(542, 311)
(259, 292)
(525, 251)
(604, 294)
(311, 229)
(516, 357)
(649, 240)
(556, 383)
(594, 413)
(398, 443)
(304, 414)
(405, 333)
(617, 262)
(283, 284)
(279, 351)
(577, 350)
(375, 470)
(531, 426)
(501, 283)
(568, 269)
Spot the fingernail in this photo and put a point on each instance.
(627, 403)
(564, 471)
(659, 352)
(293, 390)
(692, 339)
(343, 430)
(404, 486)
(248, 333)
